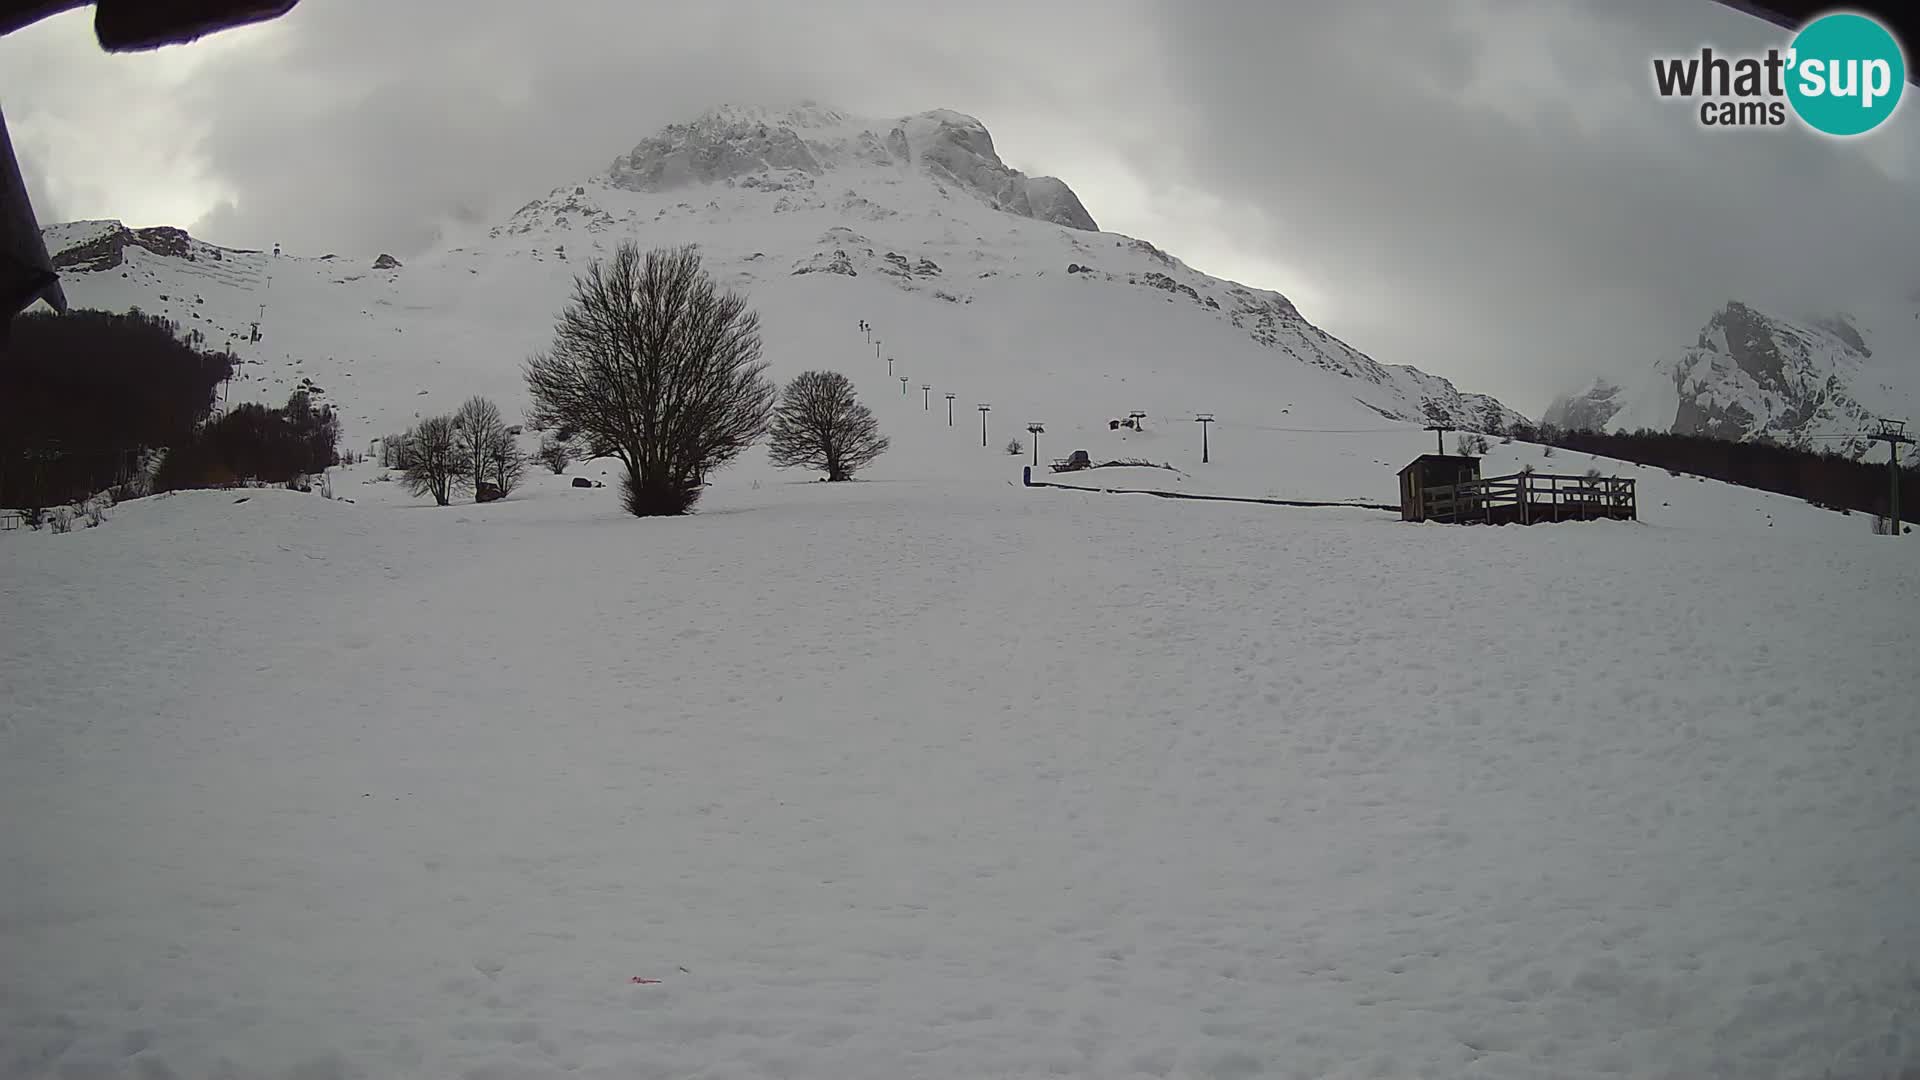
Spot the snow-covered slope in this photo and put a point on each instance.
(1753, 373)
(824, 219)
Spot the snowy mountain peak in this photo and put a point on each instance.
(739, 142)
(806, 115)
(1816, 381)
(827, 220)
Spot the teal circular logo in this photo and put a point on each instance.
(1845, 74)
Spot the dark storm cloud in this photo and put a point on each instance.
(1485, 188)
(1493, 191)
(359, 127)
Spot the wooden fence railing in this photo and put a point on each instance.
(1527, 498)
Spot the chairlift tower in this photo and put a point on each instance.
(1893, 433)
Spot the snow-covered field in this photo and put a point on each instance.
(952, 780)
(934, 774)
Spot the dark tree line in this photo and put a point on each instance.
(86, 398)
(82, 395)
(1823, 478)
(254, 442)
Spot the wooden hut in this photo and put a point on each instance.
(1449, 488)
(1429, 483)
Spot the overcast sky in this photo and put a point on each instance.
(1487, 189)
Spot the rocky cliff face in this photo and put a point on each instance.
(102, 245)
(1817, 382)
(1752, 374)
(741, 144)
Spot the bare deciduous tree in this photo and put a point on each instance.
(478, 429)
(554, 454)
(653, 365)
(820, 425)
(393, 450)
(506, 464)
(433, 460)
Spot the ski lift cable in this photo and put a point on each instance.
(1320, 431)
(1315, 431)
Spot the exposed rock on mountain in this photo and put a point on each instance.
(753, 146)
(1818, 382)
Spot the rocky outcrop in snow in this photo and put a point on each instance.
(746, 144)
(1050, 199)
(954, 146)
(708, 150)
(1750, 374)
(91, 246)
(1815, 382)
